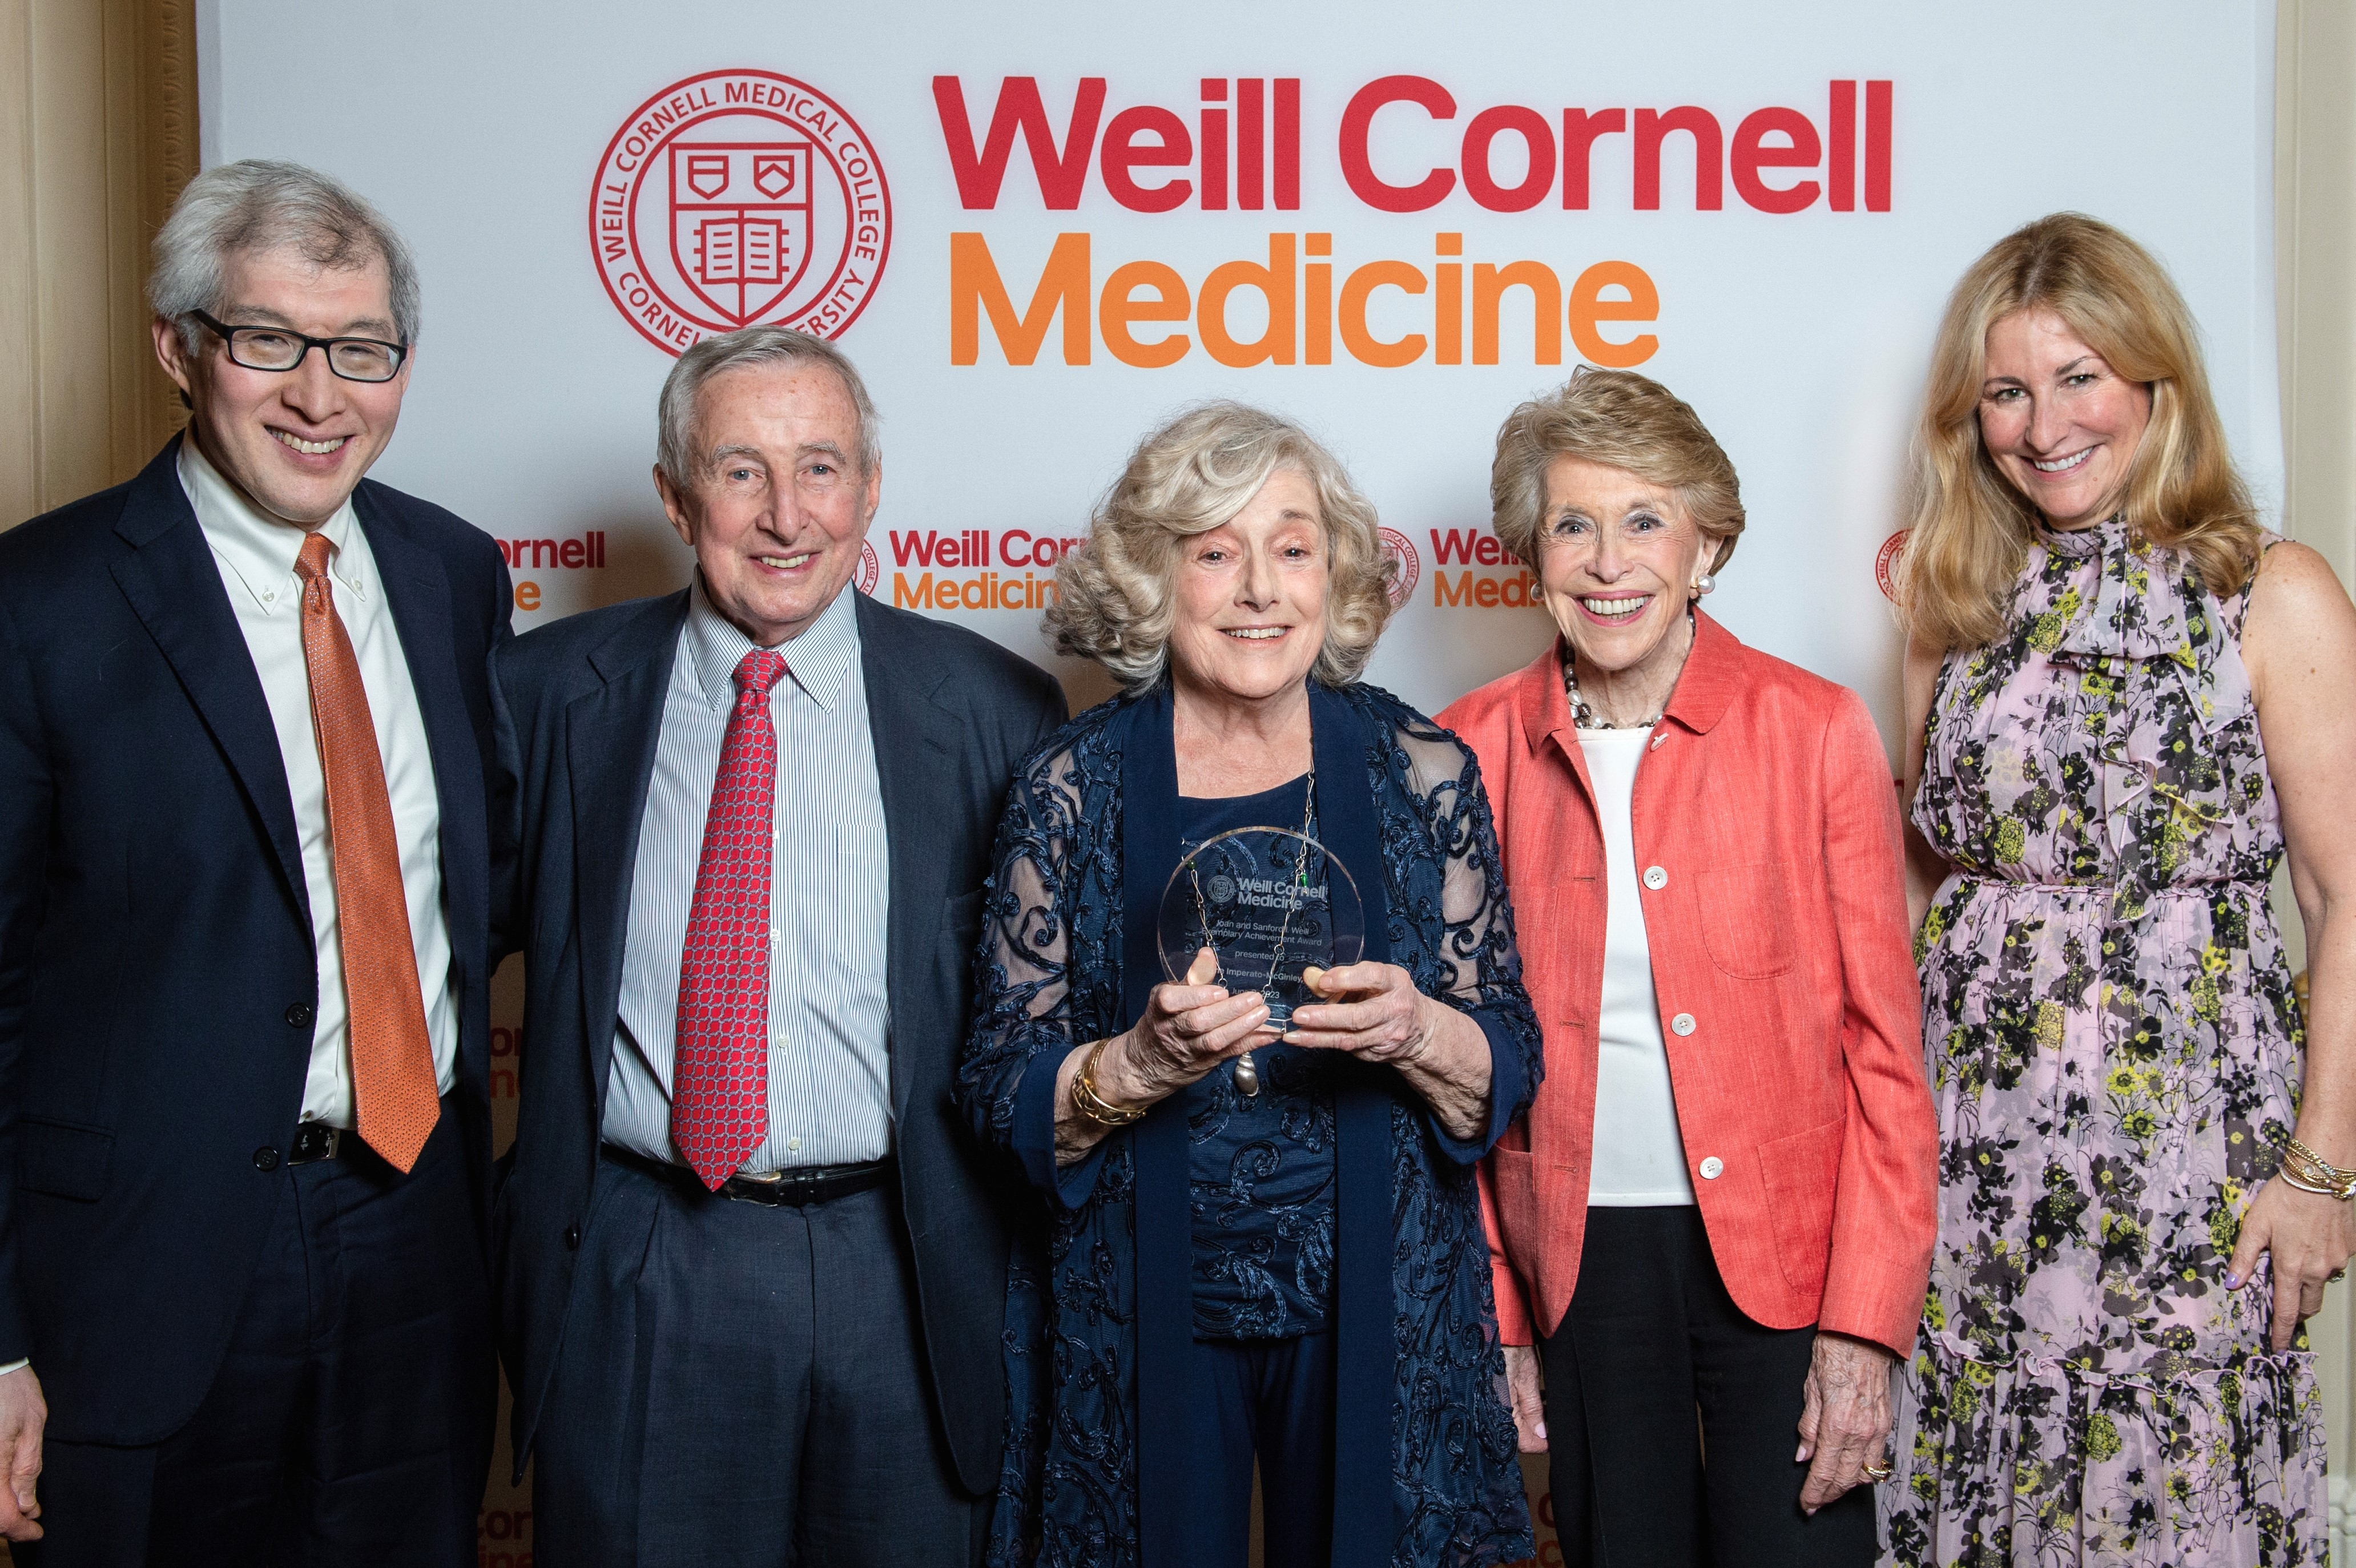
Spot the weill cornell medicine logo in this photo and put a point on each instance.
(735, 198)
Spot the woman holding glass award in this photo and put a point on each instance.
(1249, 1011)
(1734, 1213)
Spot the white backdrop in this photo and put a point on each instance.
(487, 132)
(1800, 337)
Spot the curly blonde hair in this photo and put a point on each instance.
(1113, 602)
(1623, 421)
(1970, 527)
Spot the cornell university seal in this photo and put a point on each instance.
(735, 198)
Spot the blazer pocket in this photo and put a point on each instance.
(64, 1161)
(1746, 920)
(1801, 1175)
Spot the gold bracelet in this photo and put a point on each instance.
(1094, 1107)
(2308, 1171)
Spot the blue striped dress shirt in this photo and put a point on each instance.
(829, 1069)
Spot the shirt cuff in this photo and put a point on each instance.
(1504, 1094)
(16, 1366)
(1034, 1137)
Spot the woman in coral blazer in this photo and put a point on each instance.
(1724, 1195)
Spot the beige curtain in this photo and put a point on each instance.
(2315, 280)
(98, 133)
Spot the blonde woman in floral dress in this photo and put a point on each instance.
(2127, 701)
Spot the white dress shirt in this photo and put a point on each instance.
(829, 898)
(256, 556)
(1640, 1153)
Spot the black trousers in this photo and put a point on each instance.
(350, 1421)
(744, 1384)
(1651, 1336)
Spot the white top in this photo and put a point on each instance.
(1640, 1155)
(256, 557)
(829, 898)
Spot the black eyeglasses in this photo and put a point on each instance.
(276, 348)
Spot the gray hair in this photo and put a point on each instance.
(257, 205)
(1114, 599)
(754, 345)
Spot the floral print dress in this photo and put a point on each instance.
(2114, 1051)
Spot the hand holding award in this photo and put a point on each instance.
(1270, 904)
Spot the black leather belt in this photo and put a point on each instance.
(793, 1189)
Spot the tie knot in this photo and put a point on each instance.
(759, 670)
(311, 562)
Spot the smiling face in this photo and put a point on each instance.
(780, 510)
(1251, 595)
(2060, 424)
(1617, 560)
(295, 442)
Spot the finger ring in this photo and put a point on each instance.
(1879, 1472)
(2337, 1275)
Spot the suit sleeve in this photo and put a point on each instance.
(509, 920)
(27, 799)
(1886, 1212)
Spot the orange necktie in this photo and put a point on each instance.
(392, 1060)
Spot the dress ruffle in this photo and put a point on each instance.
(2034, 1463)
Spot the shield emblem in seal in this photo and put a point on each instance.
(740, 223)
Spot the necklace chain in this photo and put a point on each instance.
(1244, 1071)
(1300, 882)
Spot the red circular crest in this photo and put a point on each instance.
(870, 567)
(1407, 566)
(1885, 564)
(737, 198)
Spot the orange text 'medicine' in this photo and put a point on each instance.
(1313, 307)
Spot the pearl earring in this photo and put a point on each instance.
(1705, 583)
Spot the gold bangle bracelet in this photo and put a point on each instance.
(2292, 1179)
(2303, 1168)
(1093, 1106)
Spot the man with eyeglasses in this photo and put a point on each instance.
(244, 929)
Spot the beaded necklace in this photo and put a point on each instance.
(1584, 715)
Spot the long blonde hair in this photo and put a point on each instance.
(1970, 527)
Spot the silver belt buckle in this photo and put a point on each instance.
(315, 1141)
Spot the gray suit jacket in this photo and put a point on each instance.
(577, 707)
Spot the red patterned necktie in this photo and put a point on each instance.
(394, 1087)
(720, 1070)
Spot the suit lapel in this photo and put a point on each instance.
(915, 748)
(166, 572)
(611, 733)
(417, 590)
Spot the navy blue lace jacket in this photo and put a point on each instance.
(1098, 1323)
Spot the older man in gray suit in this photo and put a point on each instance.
(750, 1263)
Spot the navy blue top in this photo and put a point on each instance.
(1259, 1167)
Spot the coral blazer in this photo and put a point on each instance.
(1767, 842)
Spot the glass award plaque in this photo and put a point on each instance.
(1269, 904)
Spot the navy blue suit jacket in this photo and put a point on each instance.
(158, 976)
(579, 707)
